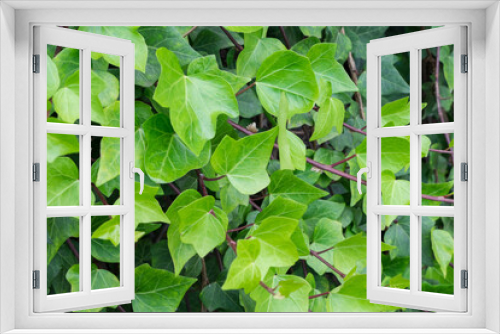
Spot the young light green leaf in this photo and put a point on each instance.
(442, 246)
(244, 161)
(100, 278)
(292, 149)
(244, 272)
(167, 158)
(147, 208)
(59, 145)
(285, 184)
(124, 32)
(255, 52)
(109, 230)
(244, 29)
(195, 101)
(312, 31)
(324, 65)
(230, 198)
(330, 115)
(276, 247)
(203, 225)
(158, 290)
(109, 167)
(53, 80)
(279, 73)
(105, 86)
(296, 290)
(282, 207)
(395, 153)
(67, 99)
(63, 186)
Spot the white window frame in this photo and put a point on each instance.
(86, 43)
(484, 103)
(414, 44)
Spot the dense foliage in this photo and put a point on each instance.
(250, 138)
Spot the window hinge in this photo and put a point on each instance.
(465, 279)
(36, 172)
(36, 63)
(36, 279)
(464, 171)
(465, 64)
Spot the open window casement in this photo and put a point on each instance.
(68, 182)
(384, 130)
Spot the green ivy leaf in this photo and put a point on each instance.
(244, 29)
(53, 80)
(282, 207)
(147, 208)
(324, 65)
(330, 115)
(109, 167)
(211, 39)
(105, 86)
(327, 233)
(302, 47)
(58, 231)
(278, 73)
(285, 184)
(167, 158)
(297, 291)
(230, 198)
(442, 246)
(398, 235)
(292, 149)
(158, 290)
(312, 31)
(180, 252)
(244, 272)
(109, 230)
(351, 297)
(63, 186)
(276, 247)
(195, 101)
(67, 62)
(215, 298)
(203, 225)
(395, 153)
(59, 145)
(244, 161)
(255, 52)
(124, 32)
(67, 99)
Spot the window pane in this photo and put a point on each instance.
(63, 84)
(395, 89)
(437, 84)
(437, 254)
(437, 169)
(395, 170)
(105, 249)
(105, 90)
(63, 172)
(106, 153)
(63, 236)
(396, 261)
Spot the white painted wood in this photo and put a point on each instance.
(413, 43)
(196, 13)
(86, 298)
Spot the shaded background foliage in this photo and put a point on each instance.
(206, 172)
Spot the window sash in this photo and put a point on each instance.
(413, 43)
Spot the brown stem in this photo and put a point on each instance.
(324, 250)
(99, 194)
(228, 34)
(174, 188)
(440, 151)
(240, 228)
(304, 267)
(121, 309)
(231, 243)
(285, 37)
(164, 230)
(189, 31)
(354, 76)
(330, 169)
(344, 160)
(438, 95)
(329, 265)
(204, 281)
(202, 183)
(73, 249)
(213, 179)
(219, 259)
(319, 295)
(255, 205)
(265, 286)
(246, 88)
(352, 128)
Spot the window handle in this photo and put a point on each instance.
(368, 172)
(134, 170)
